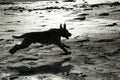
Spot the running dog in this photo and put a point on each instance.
(52, 36)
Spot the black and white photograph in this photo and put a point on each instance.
(59, 39)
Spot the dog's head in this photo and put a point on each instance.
(64, 32)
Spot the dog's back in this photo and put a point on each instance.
(45, 37)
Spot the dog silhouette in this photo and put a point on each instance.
(52, 36)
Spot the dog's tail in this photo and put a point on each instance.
(17, 37)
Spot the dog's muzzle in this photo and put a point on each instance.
(69, 35)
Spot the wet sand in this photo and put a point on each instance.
(95, 41)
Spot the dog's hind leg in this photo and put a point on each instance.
(17, 47)
(14, 49)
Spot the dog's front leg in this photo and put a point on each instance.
(62, 47)
(65, 45)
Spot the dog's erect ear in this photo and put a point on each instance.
(64, 26)
(60, 26)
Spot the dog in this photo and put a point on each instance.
(52, 36)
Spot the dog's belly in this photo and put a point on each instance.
(47, 41)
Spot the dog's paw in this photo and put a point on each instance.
(67, 53)
(67, 46)
(11, 52)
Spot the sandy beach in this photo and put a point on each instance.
(94, 44)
